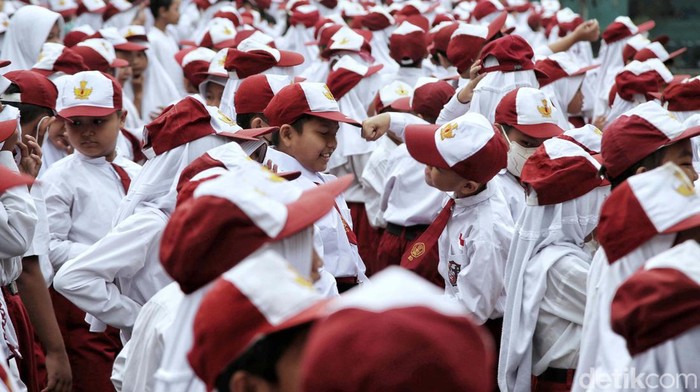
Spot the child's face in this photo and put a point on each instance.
(213, 93)
(576, 103)
(172, 14)
(443, 179)
(139, 64)
(314, 145)
(54, 34)
(681, 153)
(95, 136)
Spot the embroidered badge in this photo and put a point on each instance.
(226, 119)
(417, 251)
(327, 93)
(545, 110)
(453, 270)
(82, 92)
(447, 131)
(401, 91)
(686, 187)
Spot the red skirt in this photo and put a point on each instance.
(31, 365)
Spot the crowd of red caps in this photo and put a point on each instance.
(344, 195)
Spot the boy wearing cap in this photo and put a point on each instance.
(473, 230)
(83, 192)
(34, 96)
(162, 43)
(308, 116)
(527, 118)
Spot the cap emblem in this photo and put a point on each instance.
(545, 110)
(82, 92)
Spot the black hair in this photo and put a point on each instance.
(651, 161)
(261, 359)
(156, 4)
(298, 126)
(245, 119)
(28, 112)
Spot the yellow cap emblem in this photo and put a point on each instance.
(686, 188)
(327, 93)
(447, 131)
(545, 110)
(82, 92)
(401, 91)
(226, 119)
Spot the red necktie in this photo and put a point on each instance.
(414, 258)
(123, 177)
(352, 238)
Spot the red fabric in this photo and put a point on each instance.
(352, 238)
(367, 236)
(166, 131)
(391, 248)
(375, 21)
(414, 259)
(248, 63)
(463, 50)
(91, 354)
(551, 386)
(430, 98)
(441, 38)
(683, 97)
(513, 53)
(69, 62)
(654, 306)
(341, 81)
(30, 363)
(307, 19)
(135, 146)
(123, 177)
(253, 95)
(413, 46)
(35, 89)
(628, 84)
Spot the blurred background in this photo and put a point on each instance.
(678, 19)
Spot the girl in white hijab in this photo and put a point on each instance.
(548, 261)
(30, 27)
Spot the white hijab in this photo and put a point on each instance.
(561, 92)
(543, 235)
(155, 186)
(295, 40)
(29, 27)
(611, 63)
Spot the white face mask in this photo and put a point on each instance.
(517, 155)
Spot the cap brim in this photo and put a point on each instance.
(335, 116)
(290, 176)
(373, 69)
(519, 8)
(229, 43)
(237, 136)
(403, 104)
(289, 58)
(420, 141)
(119, 63)
(87, 111)
(539, 131)
(676, 53)
(687, 223)
(257, 132)
(496, 25)
(45, 72)
(688, 133)
(130, 47)
(10, 179)
(5, 63)
(7, 129)
(312, 205)
(187, 42)
(646, 26)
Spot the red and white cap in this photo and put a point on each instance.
(230, 13)
(34, 89)
(252, 57)
(634, 45)
(507, 54)
(638, 133)
(348, 40)
(305, 15)
(404, 321)
(377, 18)
(216, 67)
(90, 93)
(8, 178)
(310, 98)
(441, 35)
(683, 96)
(557, 66)
(660, 201)
(91, 6)
(463, 10)
(429, 97)
(486, 11)
(408, 44)
(67, 8)
(530, 111)
(186, 121)
(195, 63)
(7, 129)
(468, 40)
(587, 137)
(656, 50)
(559, 171)
(57, 58)
(390, 93)
(262, 208)
(134, 33)
(115, 7)
(469, 145)
(257, 298)
(220, 33)
(661, 301)
(623, 27)
(117, 40)
(78, 35)
(99, 55)
(518, 5)
(255, 92)
(254, 35)
(347, 73)
(641, 78)
(566, 21)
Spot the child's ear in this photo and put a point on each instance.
(122, 119)
(471, 187)
(257, 122)
(286, 135)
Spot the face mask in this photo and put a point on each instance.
(517, 155)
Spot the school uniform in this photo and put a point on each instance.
(513, 192)
(164, 47)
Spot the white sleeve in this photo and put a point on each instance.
(480, 283)
(566, 284)
(18, 217)
(117, 376)
(399, 121)
(452, 109)
(89, 280)
(59, 202)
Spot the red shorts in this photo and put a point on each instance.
(393, 244)
(367, 237)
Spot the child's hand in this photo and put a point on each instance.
(57, 136)
(374, 127)
(271, 166)
(587, 31)
(465, 95)
(599, 122)
(30, 161)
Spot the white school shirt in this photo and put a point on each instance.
(513, 192)
(473, 251)
(82, 196)
(142, 355)
(407, 200)
(114, 277)
(408, 75)
(18, 219)
(452, 109)
(164, 46)
(602, 350)
(340, 257)
(374, 177)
